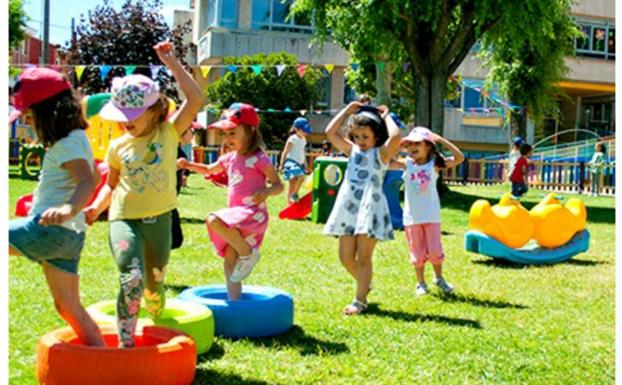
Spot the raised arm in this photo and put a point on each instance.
(458, 157)
(194, 97)
(392, 145)
(332, 130)
(205, 169)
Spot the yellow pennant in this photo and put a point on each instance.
(329, 67)
(205, 70)
(79, 71)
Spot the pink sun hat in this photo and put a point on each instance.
(419, 134)
(131, 96)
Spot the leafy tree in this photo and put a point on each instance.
(124, 37)
(434, 37)
(268, 90)
(17, 20)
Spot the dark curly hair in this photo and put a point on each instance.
(55, 117)
(371, 120)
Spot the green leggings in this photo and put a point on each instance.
(141, 248)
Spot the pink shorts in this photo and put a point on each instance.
(424, 242)
(251, 222)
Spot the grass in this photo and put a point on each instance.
(507, 324)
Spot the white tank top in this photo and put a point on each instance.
(421, 202)
(297, 152)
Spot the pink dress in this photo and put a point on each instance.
(246, 177)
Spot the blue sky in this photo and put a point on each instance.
(61, 12)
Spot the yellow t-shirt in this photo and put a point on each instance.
(147, 167)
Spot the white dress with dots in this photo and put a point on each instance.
(361, 207)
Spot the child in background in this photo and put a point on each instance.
(596, 168)
(54, 232)
(293, 157)
(514, 154)
(327, 149)
(141, 186)
(422, 208)
(237, 232)
(182, 175)
(520, 172)
(360, 216)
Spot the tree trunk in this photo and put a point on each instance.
(438, 85)
(429, 101)
(383, 83)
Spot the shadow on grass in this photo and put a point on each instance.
(374, 309)
(478, 302)
(176, 288)
(503, 264)
(215, 352)
(306, 344)
(460, 201)
(205, 376)
(192, 220)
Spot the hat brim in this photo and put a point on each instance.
(116, 114)
(307, 129)
(223, 125)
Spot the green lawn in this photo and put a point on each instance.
(507, 324)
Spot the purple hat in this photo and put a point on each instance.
(131, 96)
(419, 134)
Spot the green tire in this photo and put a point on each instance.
(193, 319)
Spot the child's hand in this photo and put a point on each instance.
(90, 215)
(165, 52)
(182, 163)
(384, 111)
(259, 196)
(353, 107)
(56, 215)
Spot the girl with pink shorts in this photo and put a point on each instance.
(422, 208)
(238, 230)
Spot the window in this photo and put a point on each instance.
(596, 40)
(222, 13)
(324, 87)
(273, 15)
(472, 99)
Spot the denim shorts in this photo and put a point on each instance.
(56, 245)
(292, 169)
(518, 189)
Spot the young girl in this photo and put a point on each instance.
(596, 168)
(238, 231)
(422, 209)
(141, 186)
(293, 157)
(54, 233)
(360, 216)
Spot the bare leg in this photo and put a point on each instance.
(419, 271)
(232, 236)
(364, 250)
(297, 183)
(65, 291)
(347, 254)
(234, 290)
(438, 270)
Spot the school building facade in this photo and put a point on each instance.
(224, 28)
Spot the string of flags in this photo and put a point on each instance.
(300, 69)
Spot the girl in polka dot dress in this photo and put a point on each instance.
(238, 231)
(360, 216)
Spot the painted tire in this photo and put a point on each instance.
(190, 318)
(261, 311)
(162, 356)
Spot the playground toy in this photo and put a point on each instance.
(302, 208)
(504, 231)
(328, 174)
(392, 188)
(191, 318)
(260, 312)
(29, 154)
(161, 357)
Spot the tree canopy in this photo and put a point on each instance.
(267, 89)
(17, 20)
(421, 43)
(124, 37)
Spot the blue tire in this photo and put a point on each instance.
(261, 311)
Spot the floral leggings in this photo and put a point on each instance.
(141, 248)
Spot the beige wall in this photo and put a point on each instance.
(591, 70)
(595, 8)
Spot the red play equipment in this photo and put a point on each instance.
(297, 210)
(24, 203)
(221, 179)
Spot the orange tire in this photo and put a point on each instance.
(162, 356)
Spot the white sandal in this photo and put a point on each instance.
(358, 306)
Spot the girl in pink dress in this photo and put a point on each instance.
(238, 231)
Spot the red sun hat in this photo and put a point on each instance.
(37, 84)
(238, 113)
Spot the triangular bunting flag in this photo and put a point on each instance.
(79, 70)
(257, 68)
(279, 69)
(103, 71)
(129, 70)
(303, 112)
(354, 66)
(287, 109)
(205, 70)
(232, 68)
(154, 71)
(301, 68)
(329, 68)
(380, 65)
